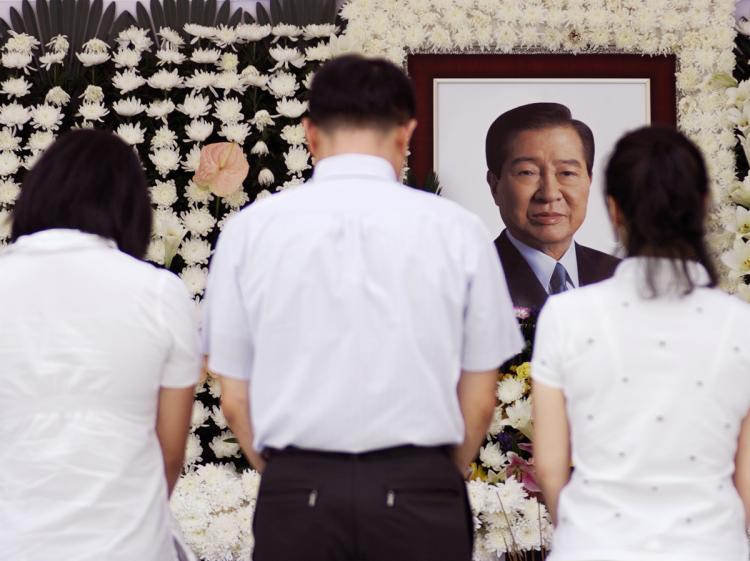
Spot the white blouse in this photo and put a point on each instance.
(88, 335)
(656, 390)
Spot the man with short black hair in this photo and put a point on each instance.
(357, 326)
(539, 162)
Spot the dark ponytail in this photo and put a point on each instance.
(659, 181)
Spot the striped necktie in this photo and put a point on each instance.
(559, 281)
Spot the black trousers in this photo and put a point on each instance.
(400, 504)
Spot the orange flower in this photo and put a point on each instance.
(222, 169)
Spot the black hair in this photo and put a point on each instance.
(88, 180)
(354, 91)
(659, 181)
(533, 116)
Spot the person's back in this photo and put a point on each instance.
(364, 323)
(92, 338)
(642, 381)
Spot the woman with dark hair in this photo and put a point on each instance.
(98, 363)
(642, 382)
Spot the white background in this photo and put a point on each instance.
(465, 109)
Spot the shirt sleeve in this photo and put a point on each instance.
(491, 331)
(546, 362)
(226, 337)
(183, 365)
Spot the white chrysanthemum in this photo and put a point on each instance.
(155, 251)
(291, 108)
(250, 481)
(89, 59)
(21, 42)
(265, 177)
(307, 82)
(164, 137)
(319, 30)
(92, 111)
(9, 140)
(195, 105)
(477, 491)
(197, 194)
(199, 31)
(225, 36)
(200, 415)
(192, 159)
(194, 278)
(251, 77)
(199, 130)
(284, 56)
(238, 199)
(519, 414)
(205, 56)
(137, 37)
(57, 96)
(40, 141)
(169, 55)
(9, 163)
(286, 30)
(126, 58)
(193, 450)
(168, 225)
(497, 424)
(165, 160)
(127, 81)
(223, 448)
(509, 390)
(95, 45)
(741, 222)
(512, 494)
(164, 193)
(283, 84)
(235, 132)
(217, 415)
(297, 160)
(198, 221)
(260, 149)
(9, 191)
(318, 53)
(15, 87)
(230, 82)
(195, 251)
(228, 110)
(159, 109)
(92, 94)
(252, 31)
(226, 218)
(132, 133)
(46, 117)
(491, 456)
(291, 184)
(228, 62)
(170, 36)
(201, 80)
(264, 194)
(165, 80)
(15, 59)
(14, 115)
(738, 258)
(214, 387)
(5, 224)
(294, 135)
(262, 119)
(129, 107)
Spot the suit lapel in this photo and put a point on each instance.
(525, 289)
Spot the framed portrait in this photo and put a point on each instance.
(472, 110)
(459, 97)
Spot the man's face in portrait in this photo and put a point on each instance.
(543, 188)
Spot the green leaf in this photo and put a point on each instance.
(122, 22)
(157, 18)
(209, 12)
(183, 13)
(236, 17)
(17, 21)
(81, 17)
(248, 18)
(223, 16)
(277, 14)
(196, 12)
(55, 17)
(170, 15)
(95, 16)
(105, 24)
(262, 14)
(141, 13)
(4, 28)
(291, 12)
(329, 12)
(43, 18)
(29, 19)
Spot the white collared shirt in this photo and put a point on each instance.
(656, 391)
(543, 265)
(88, 336)
(351, 304)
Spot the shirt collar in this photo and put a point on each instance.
(59, 239)
(543, 265)
(354, 165)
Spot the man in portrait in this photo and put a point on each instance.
(539, 162)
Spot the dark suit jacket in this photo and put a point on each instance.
(525, 289)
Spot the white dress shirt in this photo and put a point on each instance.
(88, 336)
(352, 304)
(543, 265)
(655, 390)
